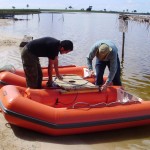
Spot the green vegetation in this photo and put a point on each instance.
(19, 11)
(15, 11)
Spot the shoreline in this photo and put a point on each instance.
(5, 22)
(7, 41)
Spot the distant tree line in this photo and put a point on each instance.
(90, 9)
(15, 11)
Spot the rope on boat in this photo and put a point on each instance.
(102, 104)
(9, 68)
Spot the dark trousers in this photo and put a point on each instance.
(32, 69)
(100, 68)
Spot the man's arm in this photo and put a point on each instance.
(53, 63)
(56, 68)
(113, 68)
(50, 70)
(112, 72)
(90, 57)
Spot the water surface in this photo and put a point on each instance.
(84, 29)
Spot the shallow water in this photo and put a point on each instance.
(84, 29)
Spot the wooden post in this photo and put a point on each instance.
(123, 27)
(52, 17)
(39, 17)
(123, 41)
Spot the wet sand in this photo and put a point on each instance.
(7, 42)
(15, 138)
(5, 22)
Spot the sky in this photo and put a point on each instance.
(113, 5)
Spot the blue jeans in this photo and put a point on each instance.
(100, 68)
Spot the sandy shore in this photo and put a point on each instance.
(5, 22)
(6, 42)
(15, 138)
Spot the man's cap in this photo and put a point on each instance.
(103, 51)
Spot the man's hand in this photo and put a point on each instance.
(49, 84)
(104, 87)
(59, 77)
(92, 73)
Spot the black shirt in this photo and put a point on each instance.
(44, 47)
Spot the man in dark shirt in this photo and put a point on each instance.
(43, 47)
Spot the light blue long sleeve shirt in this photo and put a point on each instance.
(112, 57)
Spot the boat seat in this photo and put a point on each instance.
(73, 84)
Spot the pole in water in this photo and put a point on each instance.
(123, 41)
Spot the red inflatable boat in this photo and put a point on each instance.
(74, 106)
(11, 76)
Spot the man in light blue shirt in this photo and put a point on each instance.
(106, 54)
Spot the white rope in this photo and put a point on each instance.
(102, 104)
